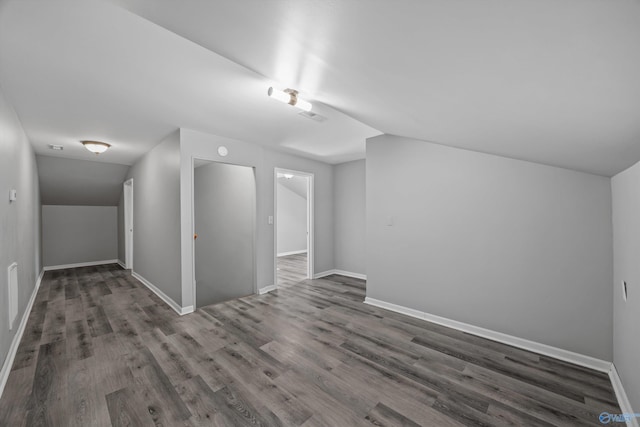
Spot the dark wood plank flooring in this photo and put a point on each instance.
(102, 350)
(291, 269)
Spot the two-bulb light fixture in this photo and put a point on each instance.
(289, 96)
(96, 146)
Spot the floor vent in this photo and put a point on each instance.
(13, 293)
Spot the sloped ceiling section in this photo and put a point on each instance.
(87, 69)
(548, 81)
(80, 182)
(297, 184)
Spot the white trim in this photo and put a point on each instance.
(186, 310)
(311, 224)
(15, 343)
(304, 251)
(171, 303)
(547, 350)
(121, 264)
(266, 289)
(350, 274)
(127, 194)
(621, 395)
(80, 264)
(393, 307)
(12, 293)
(341, 273)
(323, 274)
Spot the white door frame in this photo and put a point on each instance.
(128, 223)
(310, 220)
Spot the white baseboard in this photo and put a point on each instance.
(186, 310)
(304, 251)
(266, 289)
(171, 303)
(547, 350)
(80, 264)
(350, 274)
(122, 264)
(323, 274)
(621, 395)
(341, 273)
(15, 343)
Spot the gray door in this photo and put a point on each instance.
(224, 214)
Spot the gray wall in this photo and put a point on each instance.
(515, 247)
(626, 249)
(291, 217)
(349, 188)
(225, 221)
(204, 146)
(76, 234)
(19, 220)
(156, 217)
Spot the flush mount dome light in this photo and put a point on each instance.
(289, 96)
(96, 146)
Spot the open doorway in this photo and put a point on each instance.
(224, 208)
(128, 224)
(293, 226)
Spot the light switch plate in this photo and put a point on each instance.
(13, 195)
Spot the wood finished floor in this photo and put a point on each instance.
(100, 349)
(292, 269)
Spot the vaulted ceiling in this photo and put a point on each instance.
(79, 182)
(297, 184)
(554, 82)
(87, 69)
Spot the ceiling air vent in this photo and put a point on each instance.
(313, 116)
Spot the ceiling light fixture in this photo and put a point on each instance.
(96, 146)
(289, 96)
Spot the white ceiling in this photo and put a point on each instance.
(555, 82)
(297, 184)
(86, 69)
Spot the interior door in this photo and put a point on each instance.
(224, 214)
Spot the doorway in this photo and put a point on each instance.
(293, 226)
(224, 203)
(128, 224)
